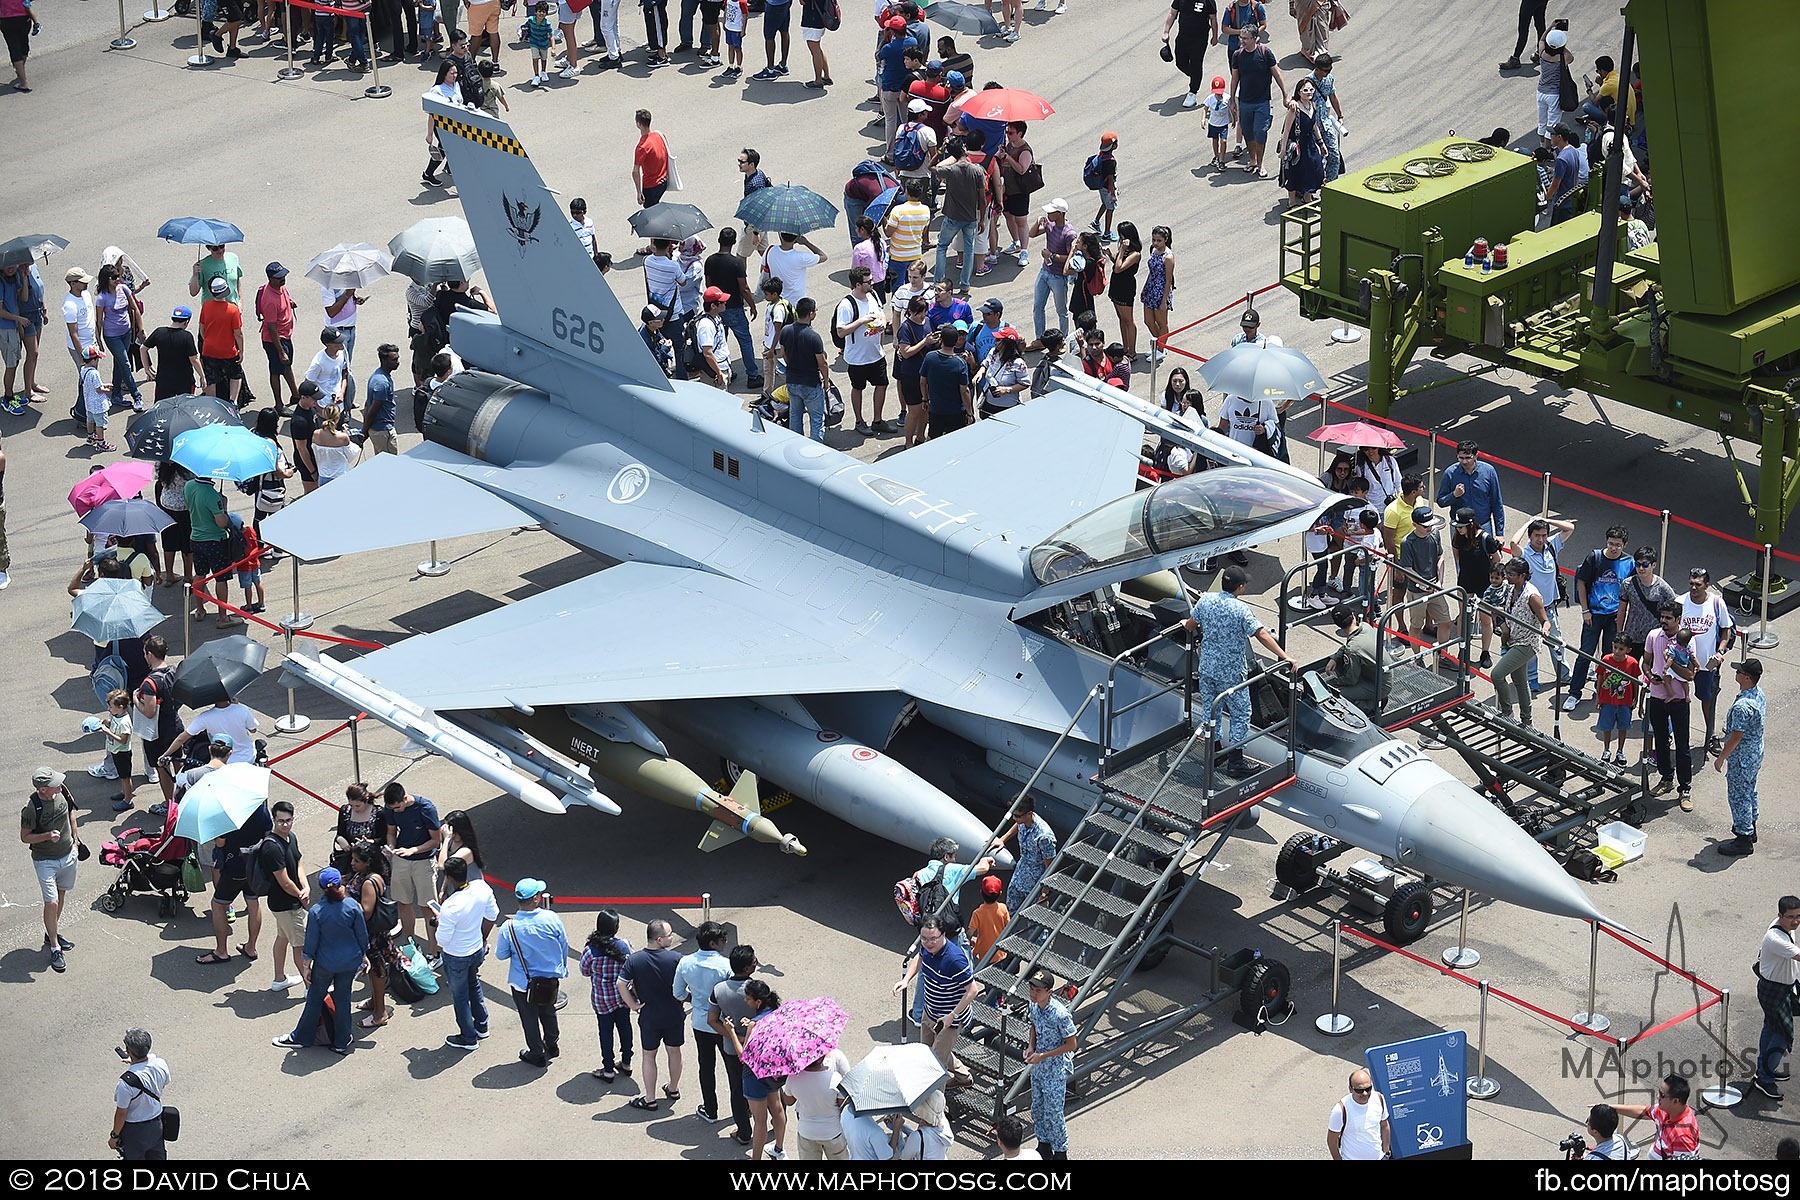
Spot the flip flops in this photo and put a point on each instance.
(211, 958)
(247, 954)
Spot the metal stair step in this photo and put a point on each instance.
(998, 976)
(1112, 864)
(1067, 971)
(1116, 828)
(1097, 897)
(1046, 917)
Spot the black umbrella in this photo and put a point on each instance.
(672, 221)
(23, 251)
(219, 670)
(152, 433)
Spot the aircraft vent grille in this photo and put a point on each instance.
(731, 467)
(718, 460)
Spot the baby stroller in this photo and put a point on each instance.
(148, 864)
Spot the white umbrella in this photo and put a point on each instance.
(347, 266)
(892, 1079)
(436, 249)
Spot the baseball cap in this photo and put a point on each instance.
(1058, 205)
(1109, 138)
(1006, 333)
(330, 335)
(218, 286)
(713, 295)
(330, 877)
(991, 886)
(182, 313)
(652, 313)
(992, 305)
(308, 388)
(1464, 516)
(223, 739)
(916, 105)
(894, 21)
(45, 777)
(276, 271)
(960, 326)
(1040, 978)
(1250, 317)
(954, 79)
(1218, 85)
(1423, 517)
(935, 65)
(525, 889)
(91, 354)
(77, 275)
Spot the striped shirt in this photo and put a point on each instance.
(906, 231)
(604, 972)
(945, 976)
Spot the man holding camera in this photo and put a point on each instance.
(137, 1128)
(1609, 1144)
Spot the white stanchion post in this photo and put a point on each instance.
(433, 566)
(378, 91)
(1479, 1086)
(156, 13)
(1722, 1094)
(1462, 956)
(1591, 1018)
(123, 41)
(199, 58)
(293, 722)
(1763, 639)
(1335, 1023)
(290, 71)
(297, 618)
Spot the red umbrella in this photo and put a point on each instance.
(115, 481)
(1006, 104)
(1356, 433)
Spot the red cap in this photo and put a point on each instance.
(1007, 332)
(713, 295)
(1109, 138)
(893, 21)
(991, 886)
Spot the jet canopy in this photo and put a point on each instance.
(1212, 506)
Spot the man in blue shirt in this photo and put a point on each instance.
(1471, 483)
(414, 834)
(947, 981)
(1570, 175)
(1742, 757)
(1597, 583)
(1037, 848)
(1226, 625)
(695, 977)
(380, 414)
(535, 946)
(891, 74)
(981, 338)
(1052, 1061)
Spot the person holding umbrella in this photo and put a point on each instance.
(229, 807)
(217, 263)
(763, 1003)
(21, 314)
(208, 524)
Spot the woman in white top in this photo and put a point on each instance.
(332, 448)
(449, 90)
(330, 369)
(1382, 470)
(1005, 377)
(1522, 633)
(916, 284)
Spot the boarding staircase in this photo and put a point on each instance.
(1106, 906)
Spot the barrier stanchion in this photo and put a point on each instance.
(1662, 544)
(1335, 1023)
(1545, 510)
(199, 58)
(705, 907)
(1346, 333)
(1478, 1085)
(1591, 1018)
(123, 41)
(297, 618)
(294, 722)
(433, 566)
(1764, 639)
(379, 90)
(156, 13)
(1462, 956)
(290, 71)
(1431, 437)
(355, 748)
(1723, 1095)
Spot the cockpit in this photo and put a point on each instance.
(1192, 511)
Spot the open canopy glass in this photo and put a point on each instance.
(1211, 506)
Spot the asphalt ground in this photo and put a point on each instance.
(110, 144)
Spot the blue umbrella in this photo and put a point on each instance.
(222, 801)
(199, 231)
(787, 208)
(127, 518)
(224, 452)
(109, 610)
(878, 207)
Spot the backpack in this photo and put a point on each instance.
(909, 147)
(1093, 173)
(431, 325)
(934, 897)
(838, 339)
(259, 882)
(834, 16)
(237, 540)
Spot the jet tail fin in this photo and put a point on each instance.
(543, 283)
(744, 792)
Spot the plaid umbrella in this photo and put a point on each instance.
(115, 481)
(793, 1037)
(787, 208)
(152, 433)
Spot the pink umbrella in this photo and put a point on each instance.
(115, 481)
(794, 1036)
(1006, 104)
(1356, 433)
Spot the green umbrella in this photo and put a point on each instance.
(787, 208)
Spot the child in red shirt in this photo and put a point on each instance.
(1617, 698)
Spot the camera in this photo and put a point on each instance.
(1562, 24)
(1573, 1146)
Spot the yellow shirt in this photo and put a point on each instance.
(1398, 517)
(1609, 90)
(906, 231)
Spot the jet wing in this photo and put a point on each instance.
(1017, 471)
(637, 631)
(396, 500)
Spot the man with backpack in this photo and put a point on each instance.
(934, 888)
(913, 151)
(856, 328)
(138, 1118)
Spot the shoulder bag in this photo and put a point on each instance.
(171, 1116)
(539, 989)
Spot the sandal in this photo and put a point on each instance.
(640, 1102)
(247, 954)
(606, 1073)
(369, 1022)
(671, 1093)
(210, 958)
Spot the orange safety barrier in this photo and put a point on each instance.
(1519, 1002)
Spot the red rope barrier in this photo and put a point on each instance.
(1672, 1021)
(326, 8)
(1216, 313)
(271, 626)
(304, 790)
(286, 754)
(1660, 961)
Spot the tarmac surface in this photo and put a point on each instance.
(306, 164)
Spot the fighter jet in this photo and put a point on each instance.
(772, 598)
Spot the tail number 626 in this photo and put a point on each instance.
(577, 330)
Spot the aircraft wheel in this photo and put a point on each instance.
(1407, 914)
(1293, 866)
(1265, 988)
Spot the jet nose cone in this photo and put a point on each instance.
(1451, 833)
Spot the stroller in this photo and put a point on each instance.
(147, 864)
